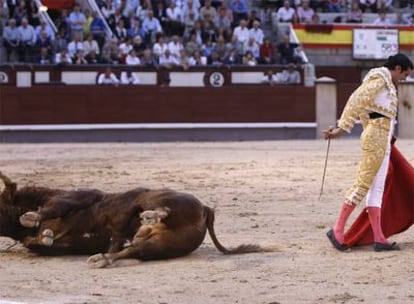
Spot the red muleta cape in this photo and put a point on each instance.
(397, 213)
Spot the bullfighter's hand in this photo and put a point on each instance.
(332, 133)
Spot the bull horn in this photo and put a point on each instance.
(7, 181)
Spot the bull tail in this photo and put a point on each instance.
(244, 248)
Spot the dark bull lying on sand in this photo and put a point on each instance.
(140, 223)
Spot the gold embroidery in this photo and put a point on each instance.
(363, 99)
(374, 143)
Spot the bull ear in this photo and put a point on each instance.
(9, 190)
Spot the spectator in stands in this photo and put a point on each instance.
(223, 22)
(11, 6)
(355, 13)
(159, 48)
(130, 6)
(214, 60)
(400, 19)
(316, 19)
(91, 45)
(242, 33)
(43, 42)
(32, 14)
(175, 19)
(59, 43)
(209, 28)
(11, 40)
(43, 57)
(108, 9)
(120, 31)
(207, 48)
(289, 75)
(248, 59)
(253, 47)
(80, 58)
(220, 47)
(124, 48)
(127, 77)
(142, 9)
(192, 45)
(77, 20)
(27, 39)
(269, 78)
(97, 29)
(190, 6)
(208, 9)
(132, 58)
(184, 60)
(256, 32)
(304, 12)
(175, 46)
(4, 15)
(62, 57)
(151, 27)
(75, 45)
(43, 26)
(167, 60)
(136, 29)
(62, 23)
(240, 11)
(87, 24)
(252, 18)
(235, 44)
(189, 22)
(110, 51)
(197, 59)
(148, 59)
(108, 78)
(138, 45)
(160, 13)
(92, 58)
(267, 52)
(199, 32)
(333, 6)
(286, 13)
(233, 57)
(113, 20)
(228, 12)
(287, 51)
(20, 12)
(368, 4)
(382, 19)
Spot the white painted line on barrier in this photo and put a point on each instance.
(149, 126)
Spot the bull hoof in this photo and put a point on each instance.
(47, 237)
(98, 261)
(30, 219)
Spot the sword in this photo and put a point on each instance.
(326, 163)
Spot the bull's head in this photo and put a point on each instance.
(7, 196)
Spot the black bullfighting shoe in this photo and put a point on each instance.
(331, 236)
(386, 247)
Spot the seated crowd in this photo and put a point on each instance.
(349, 11)
(145, 33)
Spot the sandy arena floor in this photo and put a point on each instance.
(264, 192)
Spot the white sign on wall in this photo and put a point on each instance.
(374, 43)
